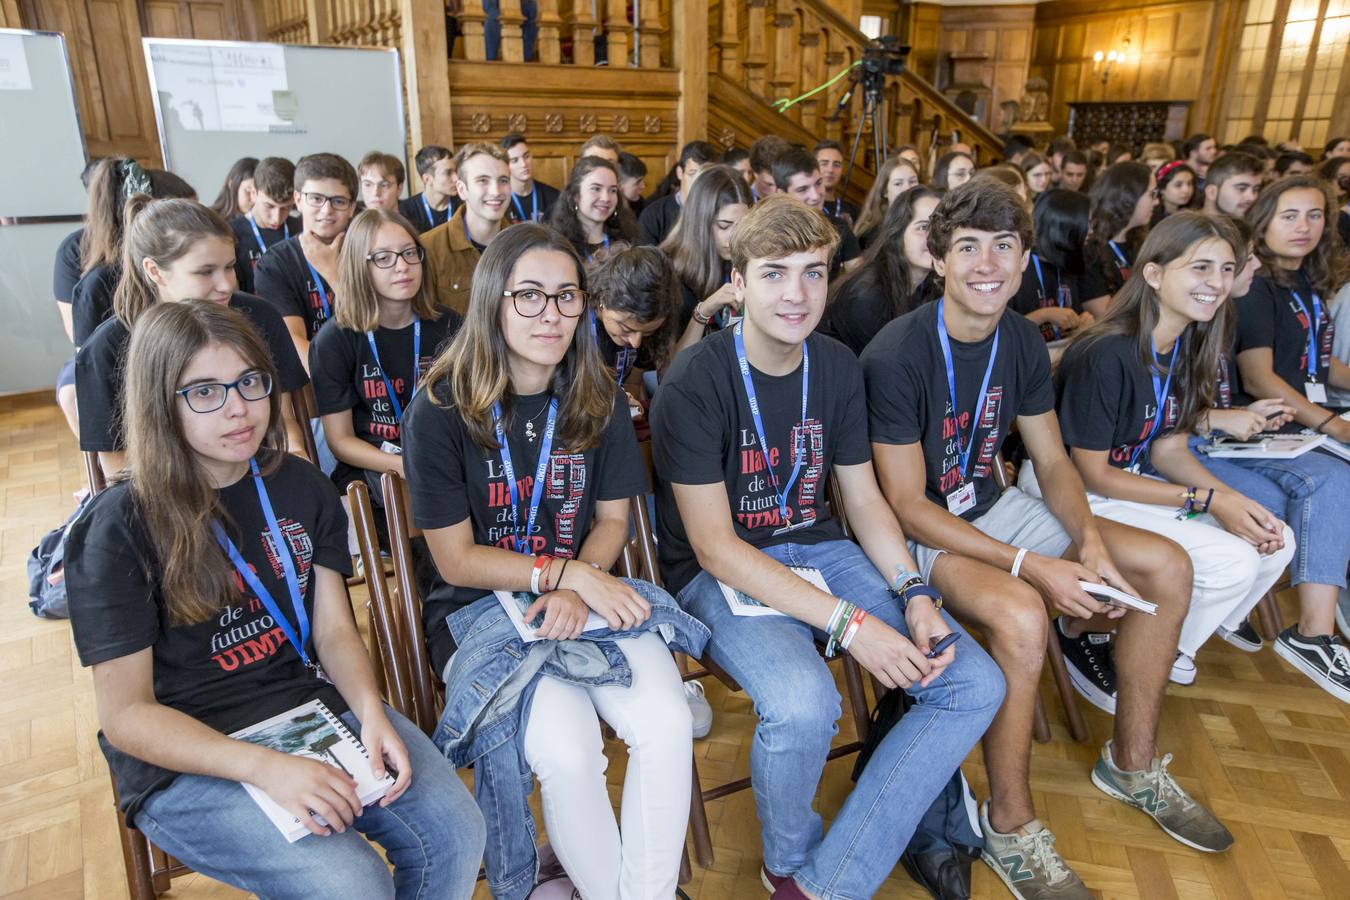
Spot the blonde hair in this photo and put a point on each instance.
(163, 231)
(1158, 151)
(356, 306)
(778, 226)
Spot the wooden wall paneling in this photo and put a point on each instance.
(689, 24)
(1003, 34)
(924, 38)
(426, 76)
(10, 14)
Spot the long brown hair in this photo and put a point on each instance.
(356, 305)
(172, 492)
(621, 224)
(1324, 266)
(111, 184)
(473, 373)
(1134, 313)
(691, 245)
(874, 207)
(227, 201)
(1114, 195)
(161, 230)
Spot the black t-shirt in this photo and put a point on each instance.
(98, 371)
(1106, 399)
(839, 208)
(247, 253)
(522, 205)
(237, 667)
(658, 217)
(1269, 316)
(347, 376)
(283, 278)
(452, 479)
(1043, 290)
(703, 433)
(909, 400)
(92, 301)
(67, 267)
(1103, 272)
(860, 309)
(848, 243)
(412, 209)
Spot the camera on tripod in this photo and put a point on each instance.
(884, 56)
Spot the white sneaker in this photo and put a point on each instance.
(1183, 670)
(698, 708)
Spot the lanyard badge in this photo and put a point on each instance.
(1315, 391)
(318, 286)
(964, 449)
(799, 448)
(522, 545)
(1122, 263)
(1161, 390)
(257, 235)
(623, 364)
(416, 363)
(534, 204)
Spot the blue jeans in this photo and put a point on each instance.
(774, 658)
(433, 835)
(1310, 493)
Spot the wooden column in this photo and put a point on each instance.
(550, 32)
(583, 33)
(316, 14)
(755, 56)
(426, 73)
(617, 30)
(689, 22)
(729, 43)
(836, 58)
(471, 18)
(811, 72)
(511, 20)
(650, 31)
(786, 66)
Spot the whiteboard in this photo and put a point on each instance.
(217, 101)
(41, 201)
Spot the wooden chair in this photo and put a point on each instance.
(93, 473)
(302, 407)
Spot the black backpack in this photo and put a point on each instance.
(46, 570)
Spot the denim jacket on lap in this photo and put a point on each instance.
(489, 687)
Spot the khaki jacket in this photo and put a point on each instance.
(451, 258)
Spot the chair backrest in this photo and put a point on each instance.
(93, 473)
(424, 682)
(643, 545)
(304, 406)
(835, 498)
(1000, 473)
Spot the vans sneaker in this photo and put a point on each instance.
(1323, 658)
(1088, 658)
(1244, 637)
(1028, 863)
(1157, 794)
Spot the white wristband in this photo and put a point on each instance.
(534, 580)
(1017, 563)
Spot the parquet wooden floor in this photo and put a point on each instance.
(1269, 752)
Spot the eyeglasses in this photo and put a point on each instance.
(210, 396)
(387, 259)
(316, 201)
(531, 302)
(376, 185)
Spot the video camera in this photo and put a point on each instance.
(884, 56)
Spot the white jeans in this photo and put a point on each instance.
(564, 749)
(1231, 576)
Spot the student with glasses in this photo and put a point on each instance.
(381, 178)
(174, 250)
(296, 275)
(206, 591)
(521, 459)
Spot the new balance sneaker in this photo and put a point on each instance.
(1244, 637)
(1028, 863)
(698, 708)
(1183, 670)
(1091, 669)
(1323, 658)
(1157, 794)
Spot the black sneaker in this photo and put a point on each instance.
(1091, 670)
(1322, 658)
(1244, 637)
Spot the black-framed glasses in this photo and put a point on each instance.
(531, 302)
(387, 259)
(209, 396)
(315, 200)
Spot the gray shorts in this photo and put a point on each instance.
(1017, 519)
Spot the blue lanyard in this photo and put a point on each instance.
(286, 230)
(1160, 392)
(534, 204)
(964, 452)
(838, 207)
(799, 449)
(283, 552)
(589, 255)
(431, 216)
(522, 545)
(1121, 262)
(1060, 297)
(417, 358)
(1314, 321)
(318, 286)
(627, 355)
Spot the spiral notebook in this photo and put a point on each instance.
(311, 730)
(742, 604)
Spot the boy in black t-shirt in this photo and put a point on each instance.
(531, 199)
(945, 385)
(795, 173)
(747, 429)
(269, 222)
(830, 160)
(660, 216)
(439, 198)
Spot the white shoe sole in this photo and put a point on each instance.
(1246, 646)
(1110, 791)
(1182, 677)
(1089, 691)
(1298, 662)
(1002, 876)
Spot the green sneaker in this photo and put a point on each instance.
(1027, 862)
(1155, 792)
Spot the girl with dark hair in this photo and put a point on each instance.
(1145, 370)
(173, 250)
(1049, 294)
(1336, 173)
(894, 278)
(1122, 202)
(636, 310)
(1176, 189)
(236, 194)
(699, 247)
(368, 360)
(897, 175)
(1284, 330)
(591, 212)
(1337, 147)
(520, 398)
(173, 568)
(953, 169)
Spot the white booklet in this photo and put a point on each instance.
(743, 604)
(311, 730)
(1265, 446)
(515, 603)
(1110, 595)
(1334, 446)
